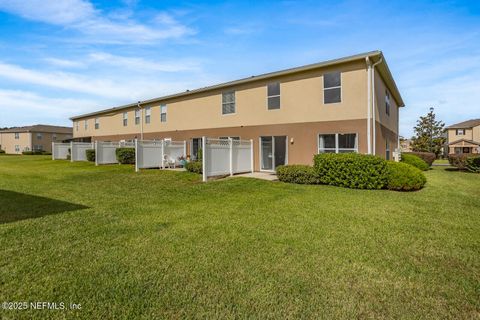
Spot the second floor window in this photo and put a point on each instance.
(460, 132)
(39, 136)
(332, 87)
(148, 114)
(17, 135)
(228, 102)
(137, 116)
(387, 102)
(273, 96)
(125, 119)
(54, 137)
(163, 113)
(85, 124)
(97, 123)
(76, 125)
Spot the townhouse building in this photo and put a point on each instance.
(32, 138)
(349, 104)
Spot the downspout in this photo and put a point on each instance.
(369, 103)
(141, 120)
(374, 110)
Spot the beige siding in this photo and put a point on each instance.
(8, 142)
(301, 101)
(452, 136)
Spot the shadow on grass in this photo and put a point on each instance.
(15, 206)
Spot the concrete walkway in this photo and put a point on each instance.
(258, 175)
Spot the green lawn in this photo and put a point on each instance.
(161, 244)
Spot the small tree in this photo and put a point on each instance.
(429, 134)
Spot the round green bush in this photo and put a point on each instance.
(472, 164)
(351, 170)
(404, 177)
(415, 161)
(428, 157)
(194, 166)
(2, 151)
(90, 153)
(296, 173)
(125, 155)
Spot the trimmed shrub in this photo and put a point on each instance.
(428, 157)
(30, 153)
(473, 164)
(404, 177)
(125, 155)
(459, 160)
(194, 166)
(90, 153)
(351, 170)
(46, 153)
(297, 173)
(2, 151)
(415, 161)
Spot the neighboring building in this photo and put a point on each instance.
(290, 115)
(464, 137)
(406, 145)
(38, 137)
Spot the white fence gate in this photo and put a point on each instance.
(78, 150)
(60, 150)
(226, 156)
(158, 153)
(105, 152)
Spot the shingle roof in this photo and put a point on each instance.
(465, 124)
(377, 55)
(41, 128)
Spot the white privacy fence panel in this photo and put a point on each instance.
(226, 156)
(148, 154)
(78, 150)
(105, 152)
(159, 153)
(242, 156)
(60, 150)
(173, 151)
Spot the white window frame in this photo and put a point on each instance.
(17, 148)
(234, 102)
(17, 135)
(76, 125)
(138, 116)
(163, 112)
(457, 132)
(388, 105)
(148, 115)
(274, 96)
(336, 87)
(97, 123)
(39, 136)
(388, 154)
(337, 149)
(260, 152)
(125, 119)
(54, 137)
(85, 124)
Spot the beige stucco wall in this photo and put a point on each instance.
(476, 134)
(8, 142)
(47, 139)
(388, 121)
(452, 136)
(301, 101)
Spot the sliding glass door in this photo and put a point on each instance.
(273, 152)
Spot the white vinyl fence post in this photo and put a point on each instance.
(96, 152)
(230, 143)
(204, 159)
(53, 150)
(162, 153)
(136, 155)
(251, 154)
(71, 151)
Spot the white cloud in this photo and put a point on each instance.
(64, 63)
(143, 65)
(82, 16)
(32, 108)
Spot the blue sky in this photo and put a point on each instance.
(60, 58)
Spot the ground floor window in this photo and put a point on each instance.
(466, 150)
(337, 143)
(17, 148)
(387, 150)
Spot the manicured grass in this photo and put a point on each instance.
(161, 244)
(441, 161)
